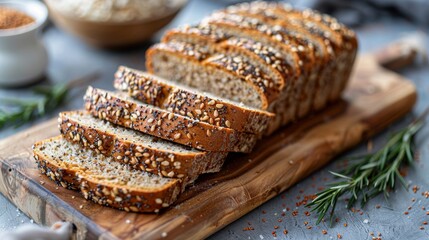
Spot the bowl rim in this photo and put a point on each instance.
(114, 23)
(38, 11)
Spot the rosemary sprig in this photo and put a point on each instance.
(49, 98)
(371, 174)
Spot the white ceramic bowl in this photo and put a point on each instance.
(23, 57)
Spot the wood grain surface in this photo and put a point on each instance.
(375, 98)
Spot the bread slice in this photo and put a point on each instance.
(123, 110)
(233, 78)
(190, 102)
(138, 150)
(103, 180)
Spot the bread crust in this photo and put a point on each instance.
(165, 163)
(159, 92)
(115, 196)
(166, 125)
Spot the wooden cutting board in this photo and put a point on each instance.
(374, 99)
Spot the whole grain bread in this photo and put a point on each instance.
(103, 180)
(123, 110)
(191, 102)
(138, 150)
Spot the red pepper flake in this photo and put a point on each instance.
(283, 214)
(423, 208)
(345, 224)
(371, 233)
(263, 212)
(276, 227)
(413, 199)
(409, 208)
(425, 194)
(285, 232)
(415, 188)
(337, 220)
(378, 206)
(295, 213)
(305, 223)
(308, 227)
(403, 171)
(422, 228)
(287, 209)
(264, 220)
(425, 223)
(274, 234)
(406, 213)
(248, 229)
(339, 236)
(279, 220)
(324, 232)
(427, 212)
(307, 213)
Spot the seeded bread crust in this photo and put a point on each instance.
(117, 196)
(165, 163)
(237, 67)
(161, 93)
(154, 121)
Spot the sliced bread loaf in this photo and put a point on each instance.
(233, 78)
(340, 39)
(123, 110)
(101, 179)
(191, 102)
(317, 88)
(138, 150)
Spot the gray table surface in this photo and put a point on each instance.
(69, 59)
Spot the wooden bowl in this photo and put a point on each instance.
(109, 34)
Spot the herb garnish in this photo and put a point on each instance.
(49, 98)
(371, 174)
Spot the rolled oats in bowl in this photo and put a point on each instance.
(117, 10)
